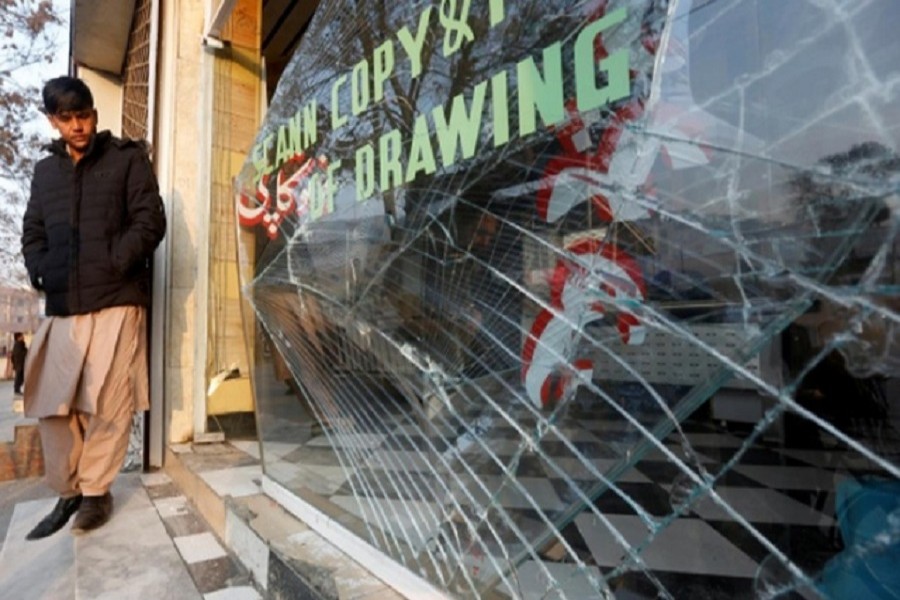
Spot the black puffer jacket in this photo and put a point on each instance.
(90, 228)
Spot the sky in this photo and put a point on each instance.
(13, 193)
(37, 74)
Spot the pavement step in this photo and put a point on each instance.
(11, 412)
(20, 445)
(217, 573)
(40, 569)
(22, 457)
(132, 556)
(286, 557)
(16, 492)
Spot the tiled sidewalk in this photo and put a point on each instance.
(133, 556)
(217, 574)
(287, 559)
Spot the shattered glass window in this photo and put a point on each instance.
(587, 298)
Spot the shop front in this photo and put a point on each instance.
(574, 299)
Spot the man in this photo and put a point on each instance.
(19, 351)
(92, 222)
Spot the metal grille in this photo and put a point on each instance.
(137, 75)
(135, 120)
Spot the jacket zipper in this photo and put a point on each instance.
(75, 244)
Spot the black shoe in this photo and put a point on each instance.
(58, 517)
(94, 512)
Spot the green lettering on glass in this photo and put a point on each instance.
(283, 148)
(456, 26)
(365, 172)
(310, 124)
(390, 170)
(330, 185)
(316, 197)
(383, 64)
(359, 87)
(421, 154)
(542, 93)
(294, 131)
(259, 160)
(497, 11)
(618, 86)
(414, 45)
(463, 127)
(337, 120)
(500, 107)
(268, 143)
(321, 194)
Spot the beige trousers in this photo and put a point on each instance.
(82, 452)
(88, 377)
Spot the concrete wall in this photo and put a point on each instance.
(107, 93)
(208, 113)
(180, 139)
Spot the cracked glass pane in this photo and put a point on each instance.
(587, 298)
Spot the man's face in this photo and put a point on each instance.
(76, 127)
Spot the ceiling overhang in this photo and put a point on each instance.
(284, 23)
(101, 29)
(100, 33)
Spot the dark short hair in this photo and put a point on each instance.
(66, 93)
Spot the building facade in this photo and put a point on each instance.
(535, 299)
(20, 310)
